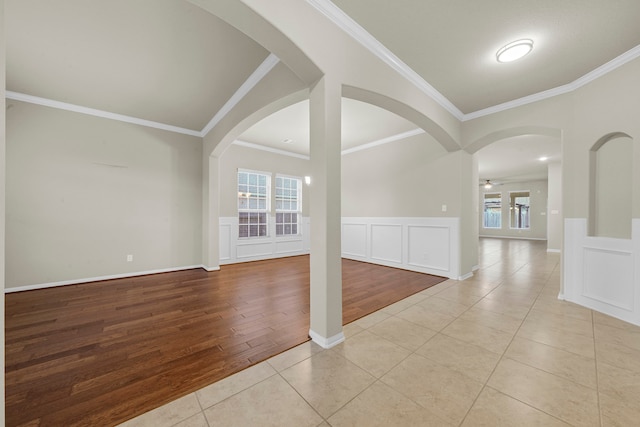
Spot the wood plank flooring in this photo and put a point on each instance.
(100, 353)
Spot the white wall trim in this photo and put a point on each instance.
(602, 273)
(554, 251)
(619, 61)
(98, 113)
(259, 73)
(237, 250)
(255, 77)
(513, 237)
(349, 26)
(101, 278)
(386, 140)
(352, 28)
(270, 149)
(426, 245)
(326, 342)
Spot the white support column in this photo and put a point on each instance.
(211, 213)
(326, 263)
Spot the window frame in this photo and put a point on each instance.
(484, 210)
(284, 212)
(261, 214)
(511, 210)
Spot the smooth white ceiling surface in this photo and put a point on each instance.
(516, 159)
(169, 61)
(162, 60)
(452, 44)
(362, 123)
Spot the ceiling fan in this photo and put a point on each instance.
(488, 184)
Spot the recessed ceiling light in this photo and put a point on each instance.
(543, 159)
(514, 50)
(287, 140)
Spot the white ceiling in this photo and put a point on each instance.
(517, 159)
(452, 44)
(162, 60)
(362, 123)
(170, 62)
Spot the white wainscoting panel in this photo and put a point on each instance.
(602, 273)
(386, 242)
(286, 247)
(427, 245)
(234, 249)
(225, 242)
(606, 277)
(254, 248)
(354, 240)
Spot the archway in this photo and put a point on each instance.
(523, 165)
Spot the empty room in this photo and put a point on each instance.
(314, 212)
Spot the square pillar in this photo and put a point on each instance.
(325, 104)
(211, 213)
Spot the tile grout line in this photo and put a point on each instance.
(298, 393)
(503, 356)
(595, 357)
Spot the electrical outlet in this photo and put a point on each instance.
(444, 208)
(129, 258)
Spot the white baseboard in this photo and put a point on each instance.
(326, 342)
(515, 237)
(466, 276)
(554, 251)
(100, 278)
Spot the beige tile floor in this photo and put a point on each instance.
(496, 349)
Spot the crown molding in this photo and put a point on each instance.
(352, 28)
(344, 22)
(362, 147)
(255, 77)
(615, 63)
(349, 26)
(382, 141)
(97, 113)
(270, 149)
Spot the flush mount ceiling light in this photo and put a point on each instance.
(543, 158)
(514, 50)
(488, 185)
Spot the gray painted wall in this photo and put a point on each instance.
(84, 192)
(538, 211)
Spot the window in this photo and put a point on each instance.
(288, 205)
(492, 216)
(253, 204)
(519, 209)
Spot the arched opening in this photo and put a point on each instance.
(610, 186)
(401, 160)
(523, 198)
